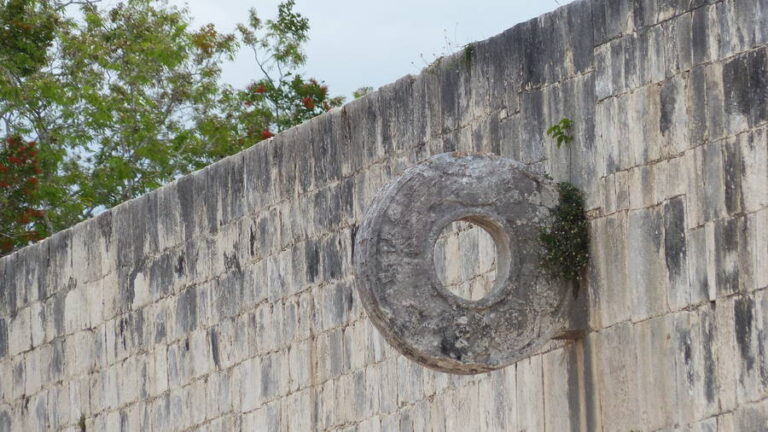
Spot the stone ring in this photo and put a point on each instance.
(398, 283)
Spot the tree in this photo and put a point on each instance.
(121, 100)
(283, 97)
(21, 219)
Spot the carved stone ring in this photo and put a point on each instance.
(400, 288)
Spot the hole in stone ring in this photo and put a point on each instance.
(466, 260)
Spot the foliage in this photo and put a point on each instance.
(21, 219)
(123, 99)
(282, 98)
(560, 132)
(469, 54)
(27, 31)
(362, 91)
(566, 241)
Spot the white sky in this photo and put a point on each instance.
(357, 43)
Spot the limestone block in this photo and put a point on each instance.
(160, 412)
(751, 417)
(529, 414)
(562, 410)
(697, 257)
(218, 393)
(245, 385)
(647, 279)
(754, 177)
(619, 366)
(20, 332)
(6, 380)
(611, 286)
(676, 253)
(678, 49)
(733, 261)
(611, 19)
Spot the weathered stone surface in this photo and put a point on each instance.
(224, 300)
(398, 283)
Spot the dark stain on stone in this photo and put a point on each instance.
(347, 200)
(125, 425)
(733, 164)
(312, 258)
(122, 325)
(726, 247)
(699, 37)
(160, 330)
(43, 268)
(668, 100)
(137, 327)
(448, 345)
(266, 376)
(232, 262)
(265, 236)
(331, 260)
(674, 237)
(186, 309)
(104, 222)
(352, 235)
(179, 269)
(746, 86)
(5, 421)
(57, 359)
(533, 62)
(211, 201)
(252, 241)
(186, 194)
(215, 347)
(9, 283)
(127, 284)
(744, 310)
(3, 338)
(684, 344)
(350, 300)
(761, 354)
(18, 373)
(230, 293)
(321, 209)
(58, 312)
(707, 332)
(161, 275)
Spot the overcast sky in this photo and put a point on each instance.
(357, 43)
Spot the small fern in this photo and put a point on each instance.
(560, 132)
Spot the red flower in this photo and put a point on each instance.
(14, 160)
(34, 213)
(266, 134)
(260, 89)
(308, 102)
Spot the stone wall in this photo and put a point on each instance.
(224, 301)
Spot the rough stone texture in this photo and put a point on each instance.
(472, 278)
(224, 301)
(397, 278)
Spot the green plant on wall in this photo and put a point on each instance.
(560, 132)
(469, 54)
(566, 240)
